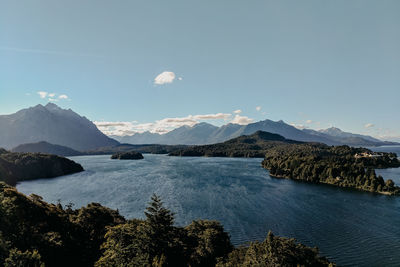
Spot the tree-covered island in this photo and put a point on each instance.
(131, 155)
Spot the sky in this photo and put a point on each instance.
(158, 64)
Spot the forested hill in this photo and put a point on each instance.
(47, 148)
(342, 166)
(248, 146)
(15, 167)
(33, 233)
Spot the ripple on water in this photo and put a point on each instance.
(350, 227)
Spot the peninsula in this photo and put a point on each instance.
(15, 167)
(342, 166)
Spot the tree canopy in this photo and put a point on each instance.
(35, 233)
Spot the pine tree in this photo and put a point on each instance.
(158, 216)
(159, 227)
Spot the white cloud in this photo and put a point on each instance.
(299, 126)
(115, 128)
(238, 111)
(52, 97)
(42, 94)
(160, 126)
(309, 121)
(386, 134)
(63, 97)
(369, 125)
(164, 77)
(121, 128)
(242, 120)
(110, 124)
(180, 78)
(258, 108)
(217, 116)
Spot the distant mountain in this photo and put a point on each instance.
(286, 130)
(204, 133)
(341, 137)
(336, 132)
(139, 138)
(52, 124)
(47, 148)
(198, 134)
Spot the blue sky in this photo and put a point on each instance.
(310, 63)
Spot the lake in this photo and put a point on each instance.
(350, 227)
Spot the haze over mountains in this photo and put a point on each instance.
(205, 133)
(64, 127)
(45, 147)
(52, 124)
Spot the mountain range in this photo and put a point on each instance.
(52, 124)
(205, 133)
(64, 127)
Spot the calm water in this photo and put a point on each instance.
(350, 227)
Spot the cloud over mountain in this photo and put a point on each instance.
(165, 125)
(242, 120)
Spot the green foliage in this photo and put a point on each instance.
(124, 246)
(34, 233)
(246, 146)
(16, 167)
(4, 248)
(29, 223)
(210, 242)
(158, 230)
(338, 166)
(23, 259)
(93, 220)
(152, 242)
(274, 251)
(157, 242)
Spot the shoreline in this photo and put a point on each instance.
(349, 187)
